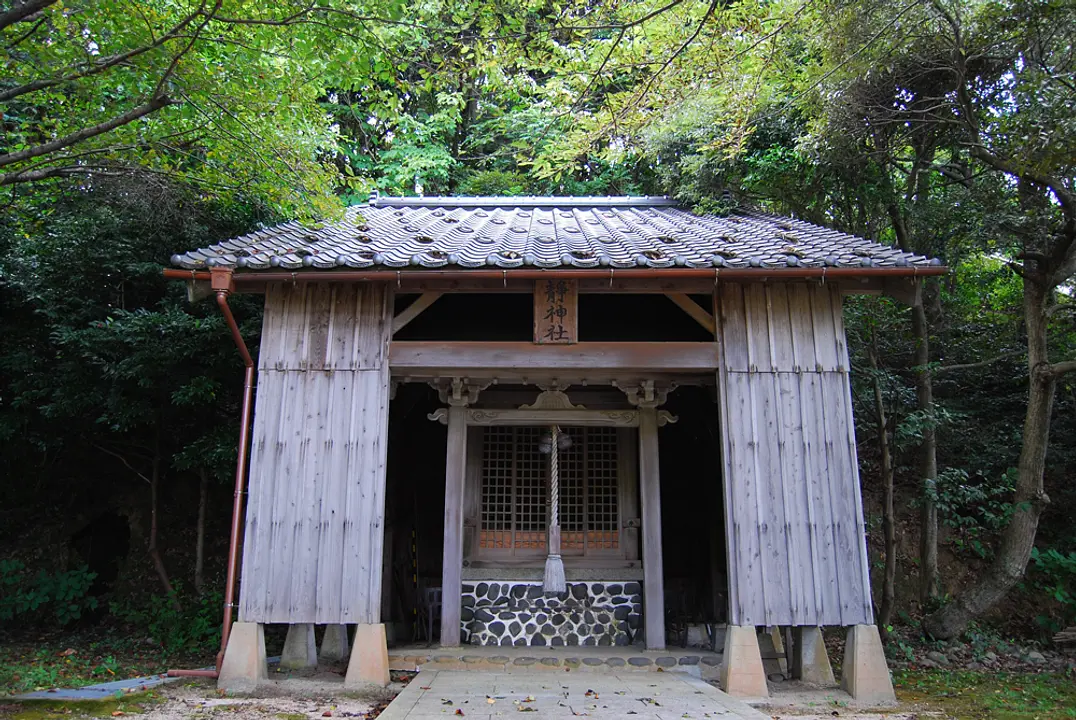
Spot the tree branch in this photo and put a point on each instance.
(33, 29)
(22, 10)
(102, 65)
(157, 90)
(1061, 368)
(982, 363)
(123, 460)
(669, 60)
(1065, 197)
(27, 176)
(131, 115)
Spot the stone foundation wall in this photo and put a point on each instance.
(519, 613)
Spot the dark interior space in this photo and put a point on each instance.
(415, 500)
(692, 510)
(608, 317)
(471, 316)
(603, 317)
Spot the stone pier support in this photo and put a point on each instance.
(742, 674)
(300, 651)
(369, 663)
(244, 664)
(811, 662)
(334, 645)
(864, 673)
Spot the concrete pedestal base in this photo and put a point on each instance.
(865, 675)
(742, 675)
(811, 663)
(369, 658)
(244, 664)
(334, 645)
(300, 651)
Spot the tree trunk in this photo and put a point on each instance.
(924, 405)
(154, 553)
(928, 458)
(885, 608)
(199, 543)
(1014, 550)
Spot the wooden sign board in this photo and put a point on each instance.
(556, 312)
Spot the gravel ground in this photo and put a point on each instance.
(283, 699)
(320, 697)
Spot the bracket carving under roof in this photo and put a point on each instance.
(647, 394)
(458, 392)
(667, 418)
(555, 399)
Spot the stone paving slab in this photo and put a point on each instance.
(651, 696)
(103, 691)
(99, 692)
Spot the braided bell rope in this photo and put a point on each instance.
(554, 479)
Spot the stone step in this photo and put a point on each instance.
(705, 665)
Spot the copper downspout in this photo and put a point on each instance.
(254, 276)
(222, 285)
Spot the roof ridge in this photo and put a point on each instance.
(523, 201)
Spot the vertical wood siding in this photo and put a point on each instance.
(794, 518)
(312, 551)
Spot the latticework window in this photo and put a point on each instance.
(514, 486)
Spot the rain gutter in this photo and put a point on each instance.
(329, 276)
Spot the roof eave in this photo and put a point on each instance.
(388, 275)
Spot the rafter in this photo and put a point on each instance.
(692, 308)
(413, 310)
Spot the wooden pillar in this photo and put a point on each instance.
(650, 494)
(452, 567)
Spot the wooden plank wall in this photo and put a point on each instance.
(314, 535)
(794, 517)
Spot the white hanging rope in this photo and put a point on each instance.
(554, 581)
(554, 479)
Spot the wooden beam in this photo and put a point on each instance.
(650, 494)
(494, 359)
(452, 565)
(903, 290)
(692, 308)
(592, 418)
(413, 310)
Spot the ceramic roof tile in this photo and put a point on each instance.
(544, 233)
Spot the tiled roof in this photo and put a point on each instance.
(581, 232)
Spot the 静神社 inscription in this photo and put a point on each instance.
(556, 311)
